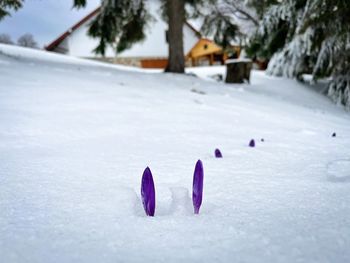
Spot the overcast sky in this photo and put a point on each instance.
(45, 19)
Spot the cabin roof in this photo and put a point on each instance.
(204, 47)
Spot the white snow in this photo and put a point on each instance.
(235, 60)
(76, 136)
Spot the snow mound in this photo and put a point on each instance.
(181, 201)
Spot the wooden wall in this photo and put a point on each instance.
(154, 63)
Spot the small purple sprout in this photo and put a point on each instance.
(334, 134)
(197, 191)
(252, 143)
(218, 153)
(148, 193)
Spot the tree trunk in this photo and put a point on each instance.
(176, 18)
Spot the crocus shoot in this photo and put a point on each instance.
(148, 194)
(218, 153)
(197, 191)
(252, 143)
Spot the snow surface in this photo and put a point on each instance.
(76, 136)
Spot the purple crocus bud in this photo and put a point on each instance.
(148, 193)
(197, 191)
(218, 153)
(334, 134)
(262, 139)
(252, 143)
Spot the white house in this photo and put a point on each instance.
(152, 52)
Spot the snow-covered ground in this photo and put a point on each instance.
(75, 137)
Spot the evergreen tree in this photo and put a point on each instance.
(308, 36)
(7, 5)
(121, 23)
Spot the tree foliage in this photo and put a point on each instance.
(221, 26)
(259, 6)
(223, 19)
(308, 36)
(119, 24)
(7, 5)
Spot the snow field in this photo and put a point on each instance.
(76, 137)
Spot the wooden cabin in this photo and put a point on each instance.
(207, 52)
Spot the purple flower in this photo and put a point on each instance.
(218, 153)
(197, 191)
(262, 139)
(148, 194)
(252, 143)
(334, 134)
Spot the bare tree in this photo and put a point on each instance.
(6, 39)
(27, 40)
